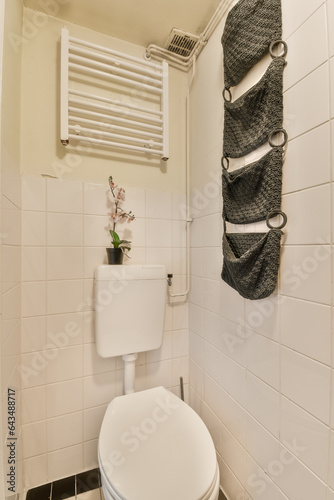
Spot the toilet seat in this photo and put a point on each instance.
(153, 445)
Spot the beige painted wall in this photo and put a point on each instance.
(41, 151)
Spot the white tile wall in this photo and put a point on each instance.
(66, 385)
(263, 370)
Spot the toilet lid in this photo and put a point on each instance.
(153, 445)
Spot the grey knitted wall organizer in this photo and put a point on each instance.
(253, 193)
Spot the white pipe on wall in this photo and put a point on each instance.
(188, 215)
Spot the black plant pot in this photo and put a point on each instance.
(115, 255)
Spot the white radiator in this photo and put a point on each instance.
(111, 99)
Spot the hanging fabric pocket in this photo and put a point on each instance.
(251, 261)
(249, 121)
(251, 192)
(251, 26)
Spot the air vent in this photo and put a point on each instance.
(181, 43)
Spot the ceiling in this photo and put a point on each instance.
(137, 21)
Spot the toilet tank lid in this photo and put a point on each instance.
(152, 436)
(130, 272)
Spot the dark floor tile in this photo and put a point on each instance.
(221, 496)
(89, 480)
(64, 488)
(39, 493)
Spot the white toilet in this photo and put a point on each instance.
(152, 445)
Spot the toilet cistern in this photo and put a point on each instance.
(129, 303)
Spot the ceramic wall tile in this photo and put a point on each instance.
(212, 230)
(179, 206)
(165, 351)
(65, 462)
(295, 13)
(332, 400)
(212, 263)
(179, 260)
(162, 256)
(160, 373)
(96, 199)
(158, 205)
(93, 363)
(304, 224)
(64, 431)
(63, 398)
(306, 382)
(261, 316)
(330, 17)
(256, 484)
(33, 334)
(263, 403)
(135, 201)
(33, 299)
(64, 296)
(306, 327)
(300, 427)
(180, 371)
(158, 233)
(262, 359)
(65, 196)
(64, 263)
(228, 340)
(180, 339)
(331, 69)
(263, 447)
(34, 439)
(33, 228)
(98, 389)
(33, 405)
(331, 460)
(296, 480)
(64, 229)
(11, 227)
(35, 471)
(231, 304)
(93, 418)
(211, 295)
(33, 369)
(33, 193)
(299, 118)
(196, 319)
(93, 257)
(33, 263)
(11, 268)
(305, 152)
(65, 329)
(64, 363)
(303, 55)
(305, 272)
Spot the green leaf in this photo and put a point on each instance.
(114, 235)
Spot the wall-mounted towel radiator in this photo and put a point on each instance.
(112, 99)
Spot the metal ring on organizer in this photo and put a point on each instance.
(278, 131)
(227, 160)
(226, 89)
(273, 213)
(276, 43)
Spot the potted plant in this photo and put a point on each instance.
(119, 247)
